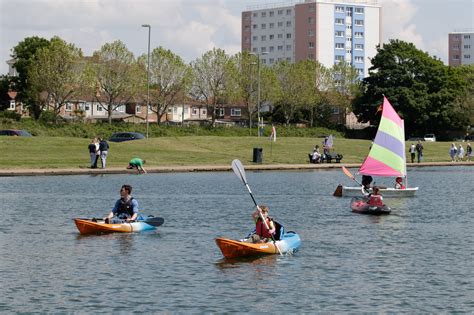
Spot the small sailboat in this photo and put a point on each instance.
(386, 157)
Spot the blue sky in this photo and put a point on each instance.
(191, 27)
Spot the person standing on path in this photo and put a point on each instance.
(452, 152)
(104, 149)
(419, 149)
(460, 153)
(412, 151)
(468, 152)
(93, 153)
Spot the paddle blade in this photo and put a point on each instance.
(155, 221)
(348, 174)
(239, 170)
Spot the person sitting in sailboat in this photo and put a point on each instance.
(375, 198)
(366, 181)
(399, 183)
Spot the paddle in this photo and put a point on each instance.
(348, 174)
(155, 221)
(240, 172)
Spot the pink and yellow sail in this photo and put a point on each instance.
(387, 154)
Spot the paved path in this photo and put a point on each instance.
(202, 168)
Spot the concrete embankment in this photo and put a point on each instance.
(203, 168)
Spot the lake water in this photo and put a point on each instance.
(418, 259)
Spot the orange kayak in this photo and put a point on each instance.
(233, 248)
(88, 226)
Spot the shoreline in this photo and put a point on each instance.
(203, 168)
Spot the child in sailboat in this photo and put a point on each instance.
(399, 183)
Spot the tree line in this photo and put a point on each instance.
(426, 93)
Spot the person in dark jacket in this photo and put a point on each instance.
(104, 150)
(126, 208)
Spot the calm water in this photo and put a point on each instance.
(418, 259)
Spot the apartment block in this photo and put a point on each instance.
(327, 31)
(461, 48)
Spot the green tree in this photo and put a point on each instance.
(25, 55)
(115, 76)
(169, 76)
(346, 86)
(427, 94)
(212, 79)
(57, 72)
(246, 80)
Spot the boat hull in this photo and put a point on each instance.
(359, 205)
(385, 192)
(87, 226)
(289, 243)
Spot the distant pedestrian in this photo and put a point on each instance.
(92, 152)
(468, 152)
(460, 153)
(453, 152)
(419, 150)
(412, 151)
(104, 149)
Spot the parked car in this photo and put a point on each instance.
(126, 136)
(430, 137)
(15, 132)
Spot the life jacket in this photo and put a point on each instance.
(261, 229)
(125, 208)
(375, 200)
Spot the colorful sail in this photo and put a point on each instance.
(387, 154)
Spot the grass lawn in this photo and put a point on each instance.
(65, 152)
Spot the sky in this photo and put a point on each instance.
(189, 28)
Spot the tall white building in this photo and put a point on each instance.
(324, 30)
(461, 48)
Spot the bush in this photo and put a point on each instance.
(9, 114)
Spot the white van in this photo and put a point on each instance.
(430, 137)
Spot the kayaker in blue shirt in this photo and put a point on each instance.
(126, 208)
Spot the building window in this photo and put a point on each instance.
(310, 20)
(255, 14)
(88, 107)
(264, 26)
(68, 107)
(247, 27)
(254, 26)
(359, 22)
(263, 38)
(359, 34)
(339, 58)
(349, 13)
(288, 11)
(271, 48)
(204, 112)
(264, 14)
(271, 36)
(339, 33)
(288, 59)
(263, 49)
(456, 57)
(340, 9)
(280, 12)
(339, 46)
(358, 59)
(467, 46)
(220, 112)
(271, 13)
(138, 108)
(311, 45)
(288, 47)
(467, 36)
(254, 38)
(288, 35)
(99, 108)
(194, 111)
(360, 71)
(12, 105)
(358, 46)
(254, 49)
(272, 25)
(339, 21)
(280, 35)
(272, 61)
(235, 112)
(311, 8)
(288, 23)
(280, 24)
(280, 48)
(310, 33)
(359, 10)
(467, 56)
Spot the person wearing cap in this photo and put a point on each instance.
(399, 183)
(263, 232)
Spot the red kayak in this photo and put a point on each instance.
(360, 205)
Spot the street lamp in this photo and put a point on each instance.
(258, 88)
(147, 79)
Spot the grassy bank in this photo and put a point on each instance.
(69, 152)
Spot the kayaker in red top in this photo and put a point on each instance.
(375, 199)
(399, 183)
(262, 233)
